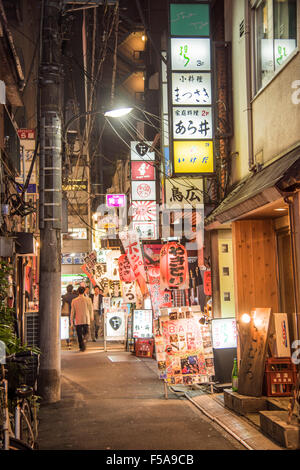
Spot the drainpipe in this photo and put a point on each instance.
(251, 164)
(293, 248)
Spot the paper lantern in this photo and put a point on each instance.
(125, 271)
(174, 273)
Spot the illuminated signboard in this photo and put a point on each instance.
(143, 190)
(142, 171)
(115, 200)
(192, 122)
(190, 54)
(189, 20)
(193, 157)
(191, 90)
(140, 150)
(143, 211)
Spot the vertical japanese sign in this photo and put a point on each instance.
(190, 79)
(143, 190)
(131, 244)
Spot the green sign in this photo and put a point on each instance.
(189, 19)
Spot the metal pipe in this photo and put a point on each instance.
(248, 86)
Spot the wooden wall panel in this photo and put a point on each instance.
(254, 254)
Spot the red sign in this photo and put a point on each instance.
(159, 298)
(142, 171)
(125, 270)
(131, 244)
(174, 270)
(207, 282)
(26, 134)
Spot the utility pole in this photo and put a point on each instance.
(50, 187)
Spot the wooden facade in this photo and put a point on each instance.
(255, 267)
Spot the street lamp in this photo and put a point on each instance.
(115, 113)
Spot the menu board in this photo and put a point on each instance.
(115, 325)
(184, 348)
(142, 323)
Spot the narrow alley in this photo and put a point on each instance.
(114, 400)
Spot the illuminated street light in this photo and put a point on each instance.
(118, 112)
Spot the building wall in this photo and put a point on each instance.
(254, 255)
(234, 16)
(274, 137)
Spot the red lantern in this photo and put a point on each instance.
(125, 271)
(174, 272)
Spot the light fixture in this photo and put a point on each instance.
(143, 37)
(281, 209)
(118, 112)
(245, 318)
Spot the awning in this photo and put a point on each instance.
(258, 189)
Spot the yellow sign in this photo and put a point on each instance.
(193, 157)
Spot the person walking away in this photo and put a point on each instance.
(66, 305)
(98, 317)
(81, 316)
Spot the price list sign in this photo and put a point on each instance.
(191, 89)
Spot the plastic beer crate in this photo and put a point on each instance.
(144, 347)
(280, 377)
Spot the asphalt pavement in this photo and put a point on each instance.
(115, 401)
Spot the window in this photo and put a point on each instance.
(275, 22)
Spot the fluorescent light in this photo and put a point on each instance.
(118, 112)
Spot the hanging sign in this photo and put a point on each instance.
(174, 272)
(193, 157)
(131, 244)
(143, 211)
(125, 270)
(152, 254)
(142, 171)
(115, 200)
(112, 264)
(183, 192)
(143, 190)
(159, 298)
(191, 88)
(190, 54)
(146, 230)
(141, 151)
(128, 292)
(192, 123)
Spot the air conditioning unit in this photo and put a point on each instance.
(6, 247)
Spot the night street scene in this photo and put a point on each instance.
(149, 230)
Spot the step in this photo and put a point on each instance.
(274, 424)
(243, 404)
